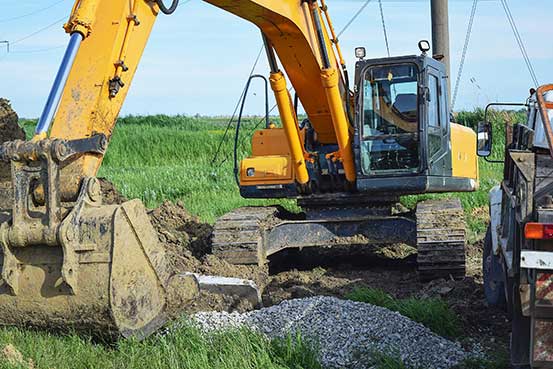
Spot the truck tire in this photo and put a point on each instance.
(494, 285)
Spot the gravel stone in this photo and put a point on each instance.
(345, 332)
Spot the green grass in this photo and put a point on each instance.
(499, 361)
(157, 158)
(161, 158)
(433, 313)
(185, 347)
(381, 360)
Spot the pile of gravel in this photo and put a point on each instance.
(345, 332)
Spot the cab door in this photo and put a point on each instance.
(437, 124)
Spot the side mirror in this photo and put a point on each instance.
(484, 148)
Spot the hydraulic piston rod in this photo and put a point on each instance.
(59, 85)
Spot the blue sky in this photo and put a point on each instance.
(198, 59)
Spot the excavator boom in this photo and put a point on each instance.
(108, 39)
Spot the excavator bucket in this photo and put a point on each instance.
(80, 264)
(114, 283)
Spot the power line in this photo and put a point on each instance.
(31, 13)
(38, 31)
(384, 27)
(520, 42)
(215, 157)
(464, 54)
(36, 51)
(354, 18)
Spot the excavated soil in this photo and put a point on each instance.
(9, 131)
(187, 242)
(111, 195)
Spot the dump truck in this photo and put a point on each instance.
(69, 260)
(518, 249)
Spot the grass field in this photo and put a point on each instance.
(159, 158)
(184, 347)
(430, 312)
(171, 158)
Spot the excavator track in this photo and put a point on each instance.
(441, 239)
(238, 236)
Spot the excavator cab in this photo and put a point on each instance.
(403, 131)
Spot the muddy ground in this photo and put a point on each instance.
(187, 241)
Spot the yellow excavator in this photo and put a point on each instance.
(68, 260)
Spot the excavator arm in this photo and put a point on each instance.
(107, 41)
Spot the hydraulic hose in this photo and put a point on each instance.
(164, 9)
(240, 115)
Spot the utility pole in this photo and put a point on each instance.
(440, 35)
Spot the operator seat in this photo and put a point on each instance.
(406, 105)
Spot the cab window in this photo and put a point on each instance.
(390, 139)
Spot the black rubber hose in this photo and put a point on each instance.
(165, 10)
(240, 115)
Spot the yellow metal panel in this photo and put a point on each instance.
(289, 27)
(267, 142)
(86, 107)
(268, 170)
(463, 152)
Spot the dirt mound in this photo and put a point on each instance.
(110, 194)
(187, 242)
(9, 129)
(177, 227)
(339, 281)
(14, 358)
(183, 236)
